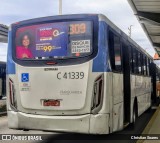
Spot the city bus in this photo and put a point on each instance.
(2, 79)
(75, 73)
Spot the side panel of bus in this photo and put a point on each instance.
(117, 82)
(131, 87)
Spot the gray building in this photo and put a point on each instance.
(3, 33)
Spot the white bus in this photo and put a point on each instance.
(75, 73)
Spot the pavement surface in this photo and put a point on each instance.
(3, 107)
(153, 128)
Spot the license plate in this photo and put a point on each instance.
(51, 103)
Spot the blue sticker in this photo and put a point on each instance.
(25, 77)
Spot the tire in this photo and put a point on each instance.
(1, 97)
(134, 118)
(149, 110)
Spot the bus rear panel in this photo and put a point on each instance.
(50, 82)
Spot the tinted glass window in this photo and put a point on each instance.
(139, 63)
(131, 59)
(135, 67)
(145, 65)
(54, 40)
(117, 52)
(148, 65)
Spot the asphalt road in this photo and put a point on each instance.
(80, 138)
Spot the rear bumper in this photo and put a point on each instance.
(94, 124)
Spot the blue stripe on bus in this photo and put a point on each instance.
(100, 62)
(10, 63)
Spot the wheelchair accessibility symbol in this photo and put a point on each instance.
(25, 77)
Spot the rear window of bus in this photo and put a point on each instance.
(58, 40)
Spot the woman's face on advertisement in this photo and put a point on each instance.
(25, 41)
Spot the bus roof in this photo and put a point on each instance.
(83, 16)
(120, 32)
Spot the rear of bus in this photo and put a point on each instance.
(56, 86)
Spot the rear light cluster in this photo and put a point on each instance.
(13, 101)
(98, 90)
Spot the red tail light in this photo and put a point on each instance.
(13, 101)
(97, 94)
(51, 63)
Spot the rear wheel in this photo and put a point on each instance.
(149, 110)
(134, 117)
(0, 97)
